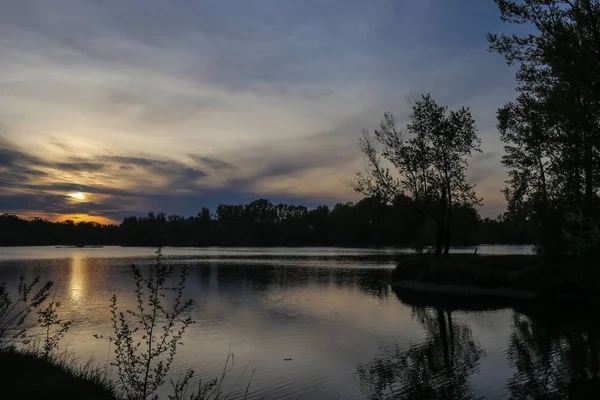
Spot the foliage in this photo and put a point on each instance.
(15, 231)
(551, 130)
(14, 321)
(423, 238)
(430, 162)
(53, 327)
(582, 234)
(146, 339)
(368, 222)
(14, 313)
(485, 271)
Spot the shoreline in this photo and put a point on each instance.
(465, 290)
(508, 277)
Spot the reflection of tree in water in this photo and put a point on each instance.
(553, 360)
(265, 278)
(437, 368)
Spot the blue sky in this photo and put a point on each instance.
(174, 105)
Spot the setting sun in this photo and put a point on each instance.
(78, 196)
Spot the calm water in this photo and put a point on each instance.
(349, 336)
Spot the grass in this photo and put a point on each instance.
(26, 374)
(565, 278)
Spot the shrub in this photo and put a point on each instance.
(146, 339)
(14, 313)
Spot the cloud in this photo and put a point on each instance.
(482, 157)
(9, 157)
(218, 101)
(188, 192)
(17, 168)
(482, 166)
(172, 173)
(213, 163)
(177, 173)
(52, 204)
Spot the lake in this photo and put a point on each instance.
(321, 323)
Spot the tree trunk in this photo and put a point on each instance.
(448, 212)
(447, 228)
(588, 200)
(447, 242)
(439, 240)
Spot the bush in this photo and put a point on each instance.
(14, 313)
(141, 337)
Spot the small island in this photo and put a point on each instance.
(508, 277)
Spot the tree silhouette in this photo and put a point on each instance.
(371, 222)
(552, 130)
(430, 163)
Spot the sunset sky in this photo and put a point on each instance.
(113, 108)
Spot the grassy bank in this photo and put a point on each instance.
(28, 375)
(556, 279)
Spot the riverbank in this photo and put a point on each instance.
(28, 375)
(519, 277)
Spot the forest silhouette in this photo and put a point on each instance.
(368, 223)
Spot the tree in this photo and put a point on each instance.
(552, 130)
(370, 222)
(430, 165)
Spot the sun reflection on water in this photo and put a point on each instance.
(78, 278)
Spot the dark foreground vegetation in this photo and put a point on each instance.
(26, 375)
(369, 222)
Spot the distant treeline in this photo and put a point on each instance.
(367, 223)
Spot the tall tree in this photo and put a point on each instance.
(552, 130)
(430, 159)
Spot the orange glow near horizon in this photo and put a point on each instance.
(73, 217)
(84, 218)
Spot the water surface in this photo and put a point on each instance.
(348, 335)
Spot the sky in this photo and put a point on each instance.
(171, 106)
